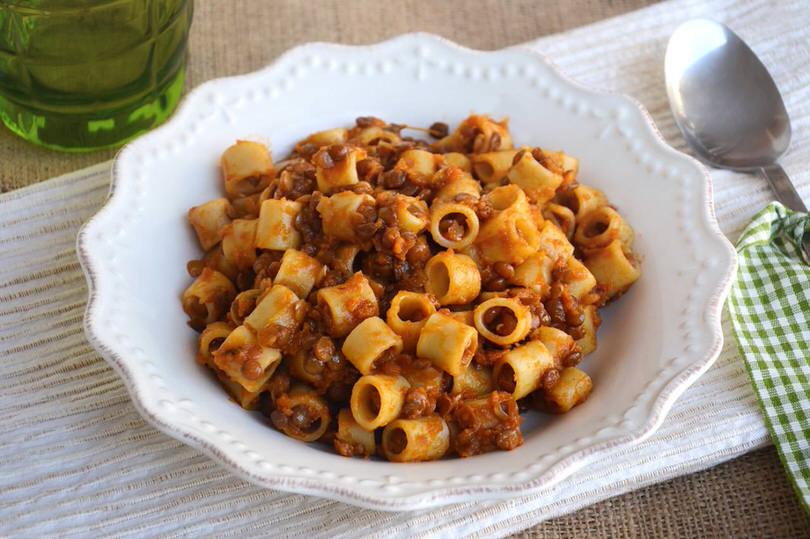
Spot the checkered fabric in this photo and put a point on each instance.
(770, 314)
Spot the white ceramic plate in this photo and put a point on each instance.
(653, 344)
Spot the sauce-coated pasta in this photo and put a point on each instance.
(402, 298)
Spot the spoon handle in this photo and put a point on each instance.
(783, 187)
(787, 195)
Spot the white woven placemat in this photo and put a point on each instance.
(75, 457)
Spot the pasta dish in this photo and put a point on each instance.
(404, 297)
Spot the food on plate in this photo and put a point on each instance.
(393, 296)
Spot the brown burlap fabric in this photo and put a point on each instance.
(748, 497)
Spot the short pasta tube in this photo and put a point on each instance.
(215, 259)
(412, 214)
(301, 414)
(407, 316)
(419, 165)
(368, 341)
(374, 135)
(243, 304)
(582, 200)
(416, 440)
(554, 242)
(279, 306)
(537, 181)
(508, 236)
(209, 297)
(244, 360)
(503, 321)
(521, 370)
(346, 305)
(249, 400)
(558, 343)
(477, 134)
(572, 389)
(447, 343)
(209, 220)
(455, 182)
(325, 138)
(562, 217)
(336, 166)
(377, 399)
(578, 279)
(239, 243)
(453, 225)
(339, 213)
(276, 229)
(587, 343)
(474, 381)
(569, 165)
(352, 440)
(247, 168)
(535, 272)
(299, 272)
(458, 160)
(600, 227)
(614, 269)
(509, 198)
(452, 278)
(492, 167)
(211, 339)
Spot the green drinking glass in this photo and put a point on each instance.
(79, 75)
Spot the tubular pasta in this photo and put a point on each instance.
(417, 289)
(377, 399)
(346, 305)
(538, 182)
(572, 389)
(209, 220)
(492, 167)
(520, 371)
(276, 229)
(368, 341)
(452, 225)
(453, 279)
(503, 321)
(299, 272)
(447, 343)
(582, 200)
(239, 243)
(614, 269)
(341, 173)
(247, 168)
(414, 440)
(600, 227)
(407, 316)
(209, 297)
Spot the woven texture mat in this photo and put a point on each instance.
(75, 458)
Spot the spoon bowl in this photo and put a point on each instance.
(728, 107)
(723, 99)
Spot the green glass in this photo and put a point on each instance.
(78, 75)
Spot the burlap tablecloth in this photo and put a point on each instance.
(746, 497)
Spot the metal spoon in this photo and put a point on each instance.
(728, 107)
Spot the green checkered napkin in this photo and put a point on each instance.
(770, 313)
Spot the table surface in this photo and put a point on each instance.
(749, 496)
